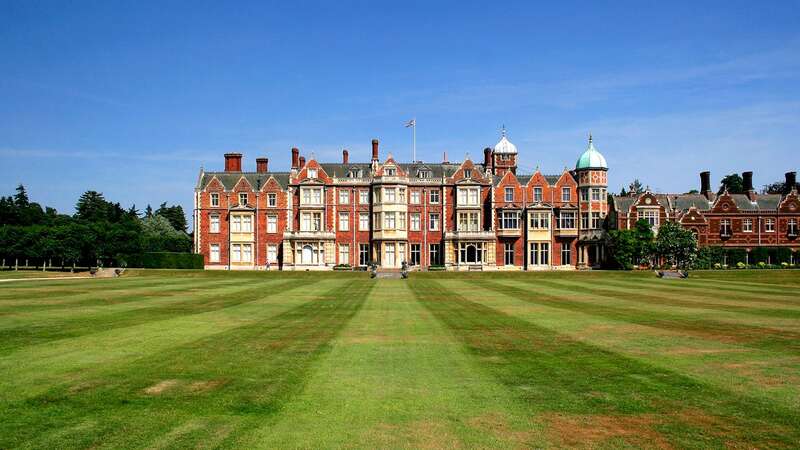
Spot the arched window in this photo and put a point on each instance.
(308, 254)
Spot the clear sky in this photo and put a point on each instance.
(132, 98)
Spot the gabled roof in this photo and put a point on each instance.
(256, 179)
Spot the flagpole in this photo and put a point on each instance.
(414, 144)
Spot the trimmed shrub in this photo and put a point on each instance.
(734, 256)
(759, 254)
(165, 260)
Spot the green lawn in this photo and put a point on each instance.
(162, 359)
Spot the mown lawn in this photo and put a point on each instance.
(273, 360)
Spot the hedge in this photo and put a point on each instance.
(165, 260)
(707, 257)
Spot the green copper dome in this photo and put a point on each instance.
(591, 158)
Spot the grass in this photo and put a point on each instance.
(171, 359)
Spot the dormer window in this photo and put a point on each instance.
(423, 173)
(467, 173)
(214, 199)
(390, 171)
(242, 198)
(312, 173)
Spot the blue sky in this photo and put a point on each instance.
(132, 98)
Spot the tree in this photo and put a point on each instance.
(148, 212)
(160, 236)
(676, 245)
(693, 191)
(174, 214)
(628, 248)
(623, 192)
(635, 188)
(21, 197)
(733, 183)
(778, 187)
(92, 207)
(643, 248)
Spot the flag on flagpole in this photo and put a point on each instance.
(411, 123)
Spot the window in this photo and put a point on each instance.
(389, 195)
(414, 197)
(595, 220)
(725, 227)
(565, 194)
(311, 196)
(595, 194)
(388, 220)
(415, 222)
(769, 225)
(792, 227)
(401, 194)
(242, 198)
(272, 223)
(401, 252)
(423, 173)
(585, 221)
(566, 254)
(401, 221)
(434, 196)
(363, 221)
(272, 200)
(213, 223)
(434, 254)
(344, 221)
(390, 171)
(415, 254)
(312, 173)
(537, 194)
(651, 216)
(540, 220)
(508, 254)
(311, 221)
(215, 199)
(344, 197)
(376, 221)
(584, 194)
(242, 223)
(241, 253)
(363, 254)
(509, 195)
(388, 253)
(272, 253)
(509, 220)
(433, 222)
(213, 254)
(309, 253)
(539, 253)
(363, 197)
(468, 196)
(471, 252)
(344, 254)
(467, 173)
(468, 221)
(567, 220)
(747, 225)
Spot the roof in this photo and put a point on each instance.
(683, 202)
(256, 179)
(591, 158)
(504, 146)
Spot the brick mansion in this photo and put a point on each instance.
(469, 215)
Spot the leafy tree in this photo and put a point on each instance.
(693, 191)
(676, 245)
(159, 235)
(623, 192)
(628, 248)
(21, 197)
(643, 249)
(92, 207)
(174, 214)
(635, 188)
(778, 187)
(733, 183)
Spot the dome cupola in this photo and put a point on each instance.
(505, 146)
(591, 158)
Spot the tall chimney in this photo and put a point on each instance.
(345, 157)
(302, 161)
(374, 149)
(747, 181)
(444, 157)
(295, 158)
(705, 183)
(791, 181)
(487, 159)
(233, 162)
(262, 165)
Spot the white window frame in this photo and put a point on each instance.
(312, 173)
(344, 221)
(747, 225)
(508, 194)
(213, 253)
(389, 220)
(272, 253)
(537, 194)
(414, 221)
(272, 200)
(214, 199)
(363, 221)
(509, 220)
(433, 221)
(433, 197)
(769, 225)
(566, 194)
(414, 197)
(363, 196)
(272, 223)
(242, 198)
(344, 197)
(344, 253)
(213, 223)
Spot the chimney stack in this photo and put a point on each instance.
(233, 162)
(487, 159)
(302, 161)
(295, 158)
(791, 181)
(375, 150)
(747, 184)
(345, 157)
(262, 165)
(705, 184)
(444, 158)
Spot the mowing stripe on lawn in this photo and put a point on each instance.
(145, 310)
(35, 369)
(557, 376)
(244, 375)
(689, 300)
(741, 334)
(397, 378)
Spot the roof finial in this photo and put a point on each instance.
(503, 130)
(590, 137)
